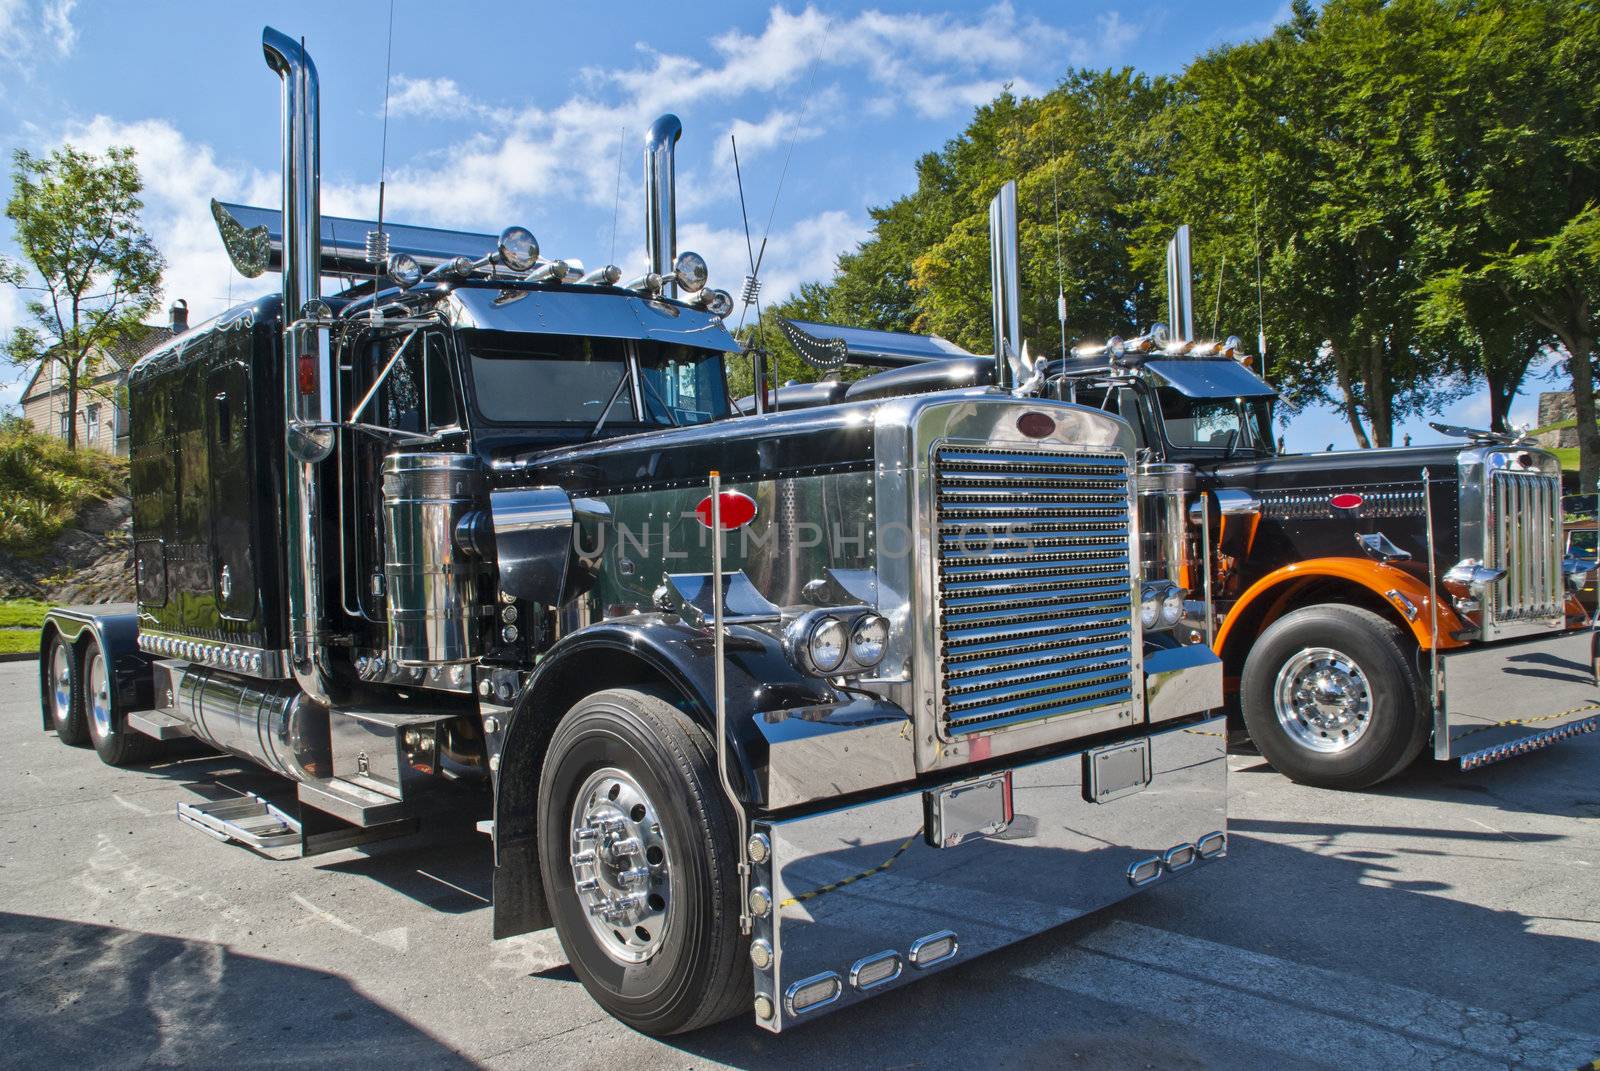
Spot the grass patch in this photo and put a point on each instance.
(43, 485)
(19, 641)
(1568, 456)
(22, 613)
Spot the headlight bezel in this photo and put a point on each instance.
(1161, 605)
(801, 633)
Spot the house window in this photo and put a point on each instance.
(63, 425)
(91, 423)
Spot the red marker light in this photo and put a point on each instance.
(307, 375)
(738, 510)
(1346, 501)
(1036, 425)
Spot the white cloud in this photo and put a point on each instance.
(437, 98)
(28, 29)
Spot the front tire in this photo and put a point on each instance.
(114, 742)
(637, 856)
(61, 691)
(1331, 697)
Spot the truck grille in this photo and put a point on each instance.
(1034, 612)
(1524, 539)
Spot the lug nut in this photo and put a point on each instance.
(624, 847)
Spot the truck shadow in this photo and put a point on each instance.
(75, 994)
(1371, 924)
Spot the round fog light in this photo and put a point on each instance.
(1172, 606)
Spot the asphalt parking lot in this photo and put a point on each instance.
(1448, 919)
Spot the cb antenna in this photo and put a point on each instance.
(378, 239)
(1261, 305)
(1061, 272)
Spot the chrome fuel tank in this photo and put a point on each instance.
(435, 608)
(274, 724)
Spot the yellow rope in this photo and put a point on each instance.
(880, 868)
(1528, 721)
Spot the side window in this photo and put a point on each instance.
(400, 400)
(439, 384)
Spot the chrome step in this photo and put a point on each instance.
(248, 820)
(351, 802)
(157, 724)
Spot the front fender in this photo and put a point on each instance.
(1384, 581)
(651, 649)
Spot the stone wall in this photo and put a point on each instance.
(1555, 407)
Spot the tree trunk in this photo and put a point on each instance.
(1352, 412)
(72, 407)
(1579, 347)
(1375, 382)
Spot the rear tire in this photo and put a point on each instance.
(631, 780)
(1332, 699)
(60, 692)
(114, 742)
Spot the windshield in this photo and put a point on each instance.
(1226, 425)
(562, 379)
(1582, 542)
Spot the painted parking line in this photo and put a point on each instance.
(1310, 1014)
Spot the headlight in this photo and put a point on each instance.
(403, 270)
(1150, 599)
(690, 268)
(1172, 607)
(867, 640)
(1160, 604)
(825, 645)
(518, 249)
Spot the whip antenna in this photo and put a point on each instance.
(1216, 311)
(1061, 272)
(1261, 305)
(378, 240)
(622, 137)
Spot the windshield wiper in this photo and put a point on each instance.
(598, 424)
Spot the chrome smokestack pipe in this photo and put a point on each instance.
(1180, 284)
(660, 203)
(306, 372)
(1006, 287)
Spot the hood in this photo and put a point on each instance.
(1396, 464)
(828, 439)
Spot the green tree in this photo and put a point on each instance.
(95, 273)
(1515, 166)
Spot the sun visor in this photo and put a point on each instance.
(595, 314)
(1198, 378)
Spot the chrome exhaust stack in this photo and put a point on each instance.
(1009, 369)
(1180, 284)
(307, 375)
(660, 202)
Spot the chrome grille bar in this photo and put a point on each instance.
(1034, 585)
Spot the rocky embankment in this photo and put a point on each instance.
(89, 562)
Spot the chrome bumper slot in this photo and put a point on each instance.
(1548, 683)
(863, 881)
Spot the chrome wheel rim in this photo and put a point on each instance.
(98, 685)
(61, 676)
(1323, 700)
(621, 865)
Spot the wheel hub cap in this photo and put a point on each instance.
(1323, 700)
(62, 677)
(621, 867)
(99, 696)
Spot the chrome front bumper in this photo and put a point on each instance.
(857, 901)
(1506, 699)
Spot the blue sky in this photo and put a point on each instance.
(513, 113)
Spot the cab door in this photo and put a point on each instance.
(226, 397)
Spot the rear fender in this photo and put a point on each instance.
(116, 629)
